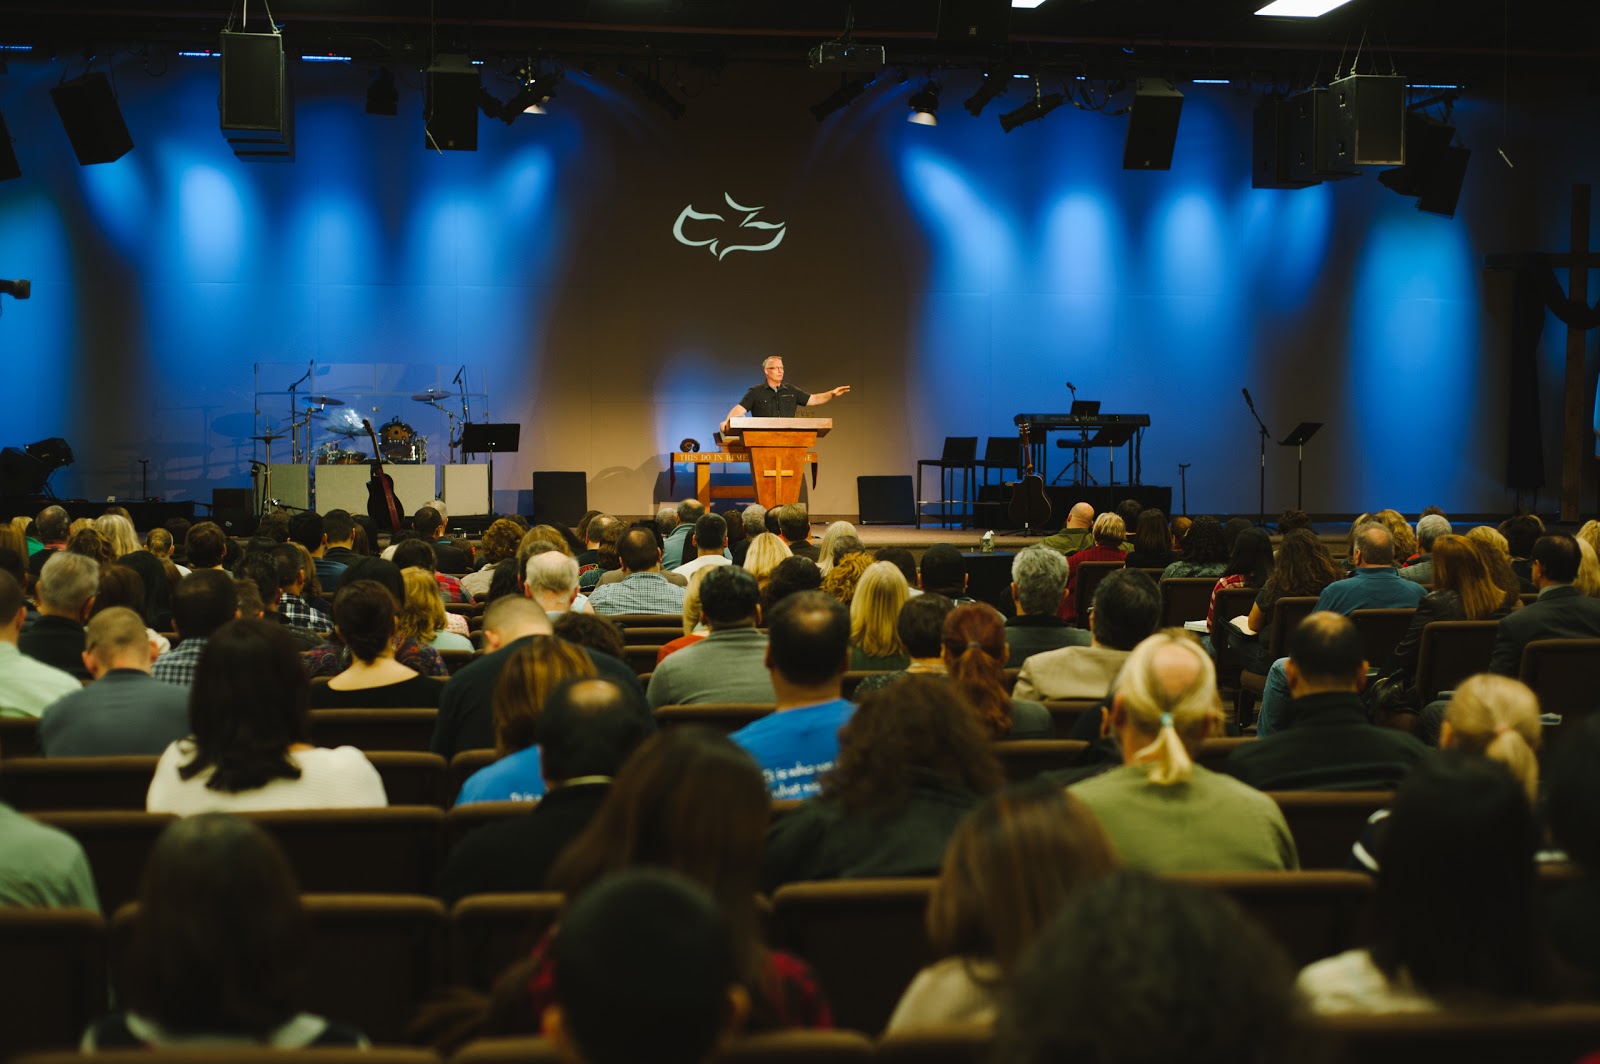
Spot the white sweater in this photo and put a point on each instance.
(340, 778)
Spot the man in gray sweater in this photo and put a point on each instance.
(729, 665)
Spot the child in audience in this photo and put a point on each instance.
(1011, 865)
(643, 972)
(218, 945)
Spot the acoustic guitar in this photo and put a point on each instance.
(381, 504)
(1030, 507)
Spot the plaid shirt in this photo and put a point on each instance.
(177, 665)
(299, 613)
(639, 593)
(333, 658)
(450, 588)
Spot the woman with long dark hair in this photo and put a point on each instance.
(1303, 567)
(1152, 542)
(248, 747)
(1205, 551)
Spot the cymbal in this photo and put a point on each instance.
(346, 431)
(268, 437)
(431, 395)
(323, 400)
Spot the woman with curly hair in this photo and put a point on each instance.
(500, 541)
(1012, 863)
(1303, 567)
(846, 573)
(912, 761)
(1205, 551)
(874, 643)
(973, 645)
(1401, 532)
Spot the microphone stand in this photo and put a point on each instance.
(1264, 435)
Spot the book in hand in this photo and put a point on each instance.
(1243, 624)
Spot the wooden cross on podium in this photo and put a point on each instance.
(1576, 408)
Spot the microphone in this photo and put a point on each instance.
(1069, 385)
(16, 289)
(459, 372)
(1246, 392)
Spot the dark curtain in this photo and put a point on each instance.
(1524, 436)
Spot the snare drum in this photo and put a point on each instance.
(397, 441)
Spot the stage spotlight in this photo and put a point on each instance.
(488, 104)
(654, 91)
(530, 99)
(843, 96)
(1434, 167)
(16, 289)
(924, 105)
(994, 84)
(1033, 110)
(383, 98)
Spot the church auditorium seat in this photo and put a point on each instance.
(1023, 759)
(490, 932)
(1311, 914)
(1449, 652)
(242, 1055)
(641, 657)
(1213, 753)
(462, 765)
(1325, 824)
(374, 729)
(777, 1047)
(1532, 1035)
(19, 737)
(1231, 602)
(1562, 673)
(53, 981)
(853, 678)
(1288, 613)
(953, 1044)
(1064, 713)
(652, 636)
(411, 777)
(455, 660)
(1089, 576)
(646, 620)
(29, 784)
(1380, 632)
(863, 938)
(462, 820)
(117, 842)
(360, 851)
(726, 717)
(1185, 598)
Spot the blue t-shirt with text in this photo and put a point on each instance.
(795, 747)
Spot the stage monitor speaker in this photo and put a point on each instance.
(252, 96)
(1270, 146)
(885, 500)
(974, 21)
(92, 119)
(235, 510)
(1309, 115)
(10, 169)
(560, 499)
(450, 108)
(1442, 188)
(1368, 121)
(1152, 126)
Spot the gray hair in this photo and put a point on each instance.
(1041, 577)
(689, 511)
(68, 581)
(1431, 528)
(552, 571)
(1375, 544)
(755, 519)
(666, 519)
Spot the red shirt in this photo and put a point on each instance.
(1097, 553)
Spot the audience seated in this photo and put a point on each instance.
(730, 663)
(587, 729)
(1127, 608)
(768, 551)
(421, 554)
(1075, 533)
(218, 946)
(247, 748)
(943, 571)
(973, 645)
(1560, 612)
(333, 657)
(788, 576)
(754, 520)
(1324, 739)
(270, 571)
(1571, 913)
(838, 539)
(27, 685)
(364, 612)
(593, 632)
(1108, 533)
(499, 542)
(920, 628)
(1454, 917)
(874, 609)
(1303, 567)
(537, 668)
(794, 525)
(126, 710)
(912, 761)
(295, 606)
(1136, 970)
(157, 580)
(42, 867)
(644, 589)
(808, 653)
(1152, 543)
(652, 947)
(466, 712)
(1011, 865)
(1205, 552)
(1164, 812)
(681, 534)
(64, 593)
(707, 547)
(1419, 569)
(1038, 580)
(1249, 565)
(429, 525)
(422, 616)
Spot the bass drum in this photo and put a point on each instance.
(397, 441)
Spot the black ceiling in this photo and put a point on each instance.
(1461, 40)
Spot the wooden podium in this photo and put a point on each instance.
(778, 447)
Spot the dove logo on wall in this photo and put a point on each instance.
(722, 246)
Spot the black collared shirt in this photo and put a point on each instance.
(782, 401)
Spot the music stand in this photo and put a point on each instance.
(1297, 439)
(491, 438)
(1111, 437)
(1084, 408)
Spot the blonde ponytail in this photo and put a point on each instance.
(1178, 716)
(1498, 717)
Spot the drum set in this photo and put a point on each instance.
(398, 442)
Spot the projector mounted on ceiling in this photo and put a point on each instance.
(846, 56)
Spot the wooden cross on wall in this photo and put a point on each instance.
(1577, 409)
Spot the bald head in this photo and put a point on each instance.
(1326, 654)
(1174, 669)
(115, 638)
(1375, 546)
(1081, 516)
(510, 617)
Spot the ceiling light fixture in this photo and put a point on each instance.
(847, 92)
(654, 91)
(531, 99)
(1033, 110)
(924, 105)
(1300, 8)
(994, 84)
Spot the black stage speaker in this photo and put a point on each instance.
(92, 119)
(560, 499)
(1309, 116)
(1270, 147)
(235, 510)
(9, 167)
(1367, 126)
(1442, 187)
(450, 107)
(885, 500)
(252, 94)
(1152, 126)
(974, 21)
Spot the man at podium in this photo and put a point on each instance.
(775, 398)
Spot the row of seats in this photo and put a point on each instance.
(401, 849)
(377, 959)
